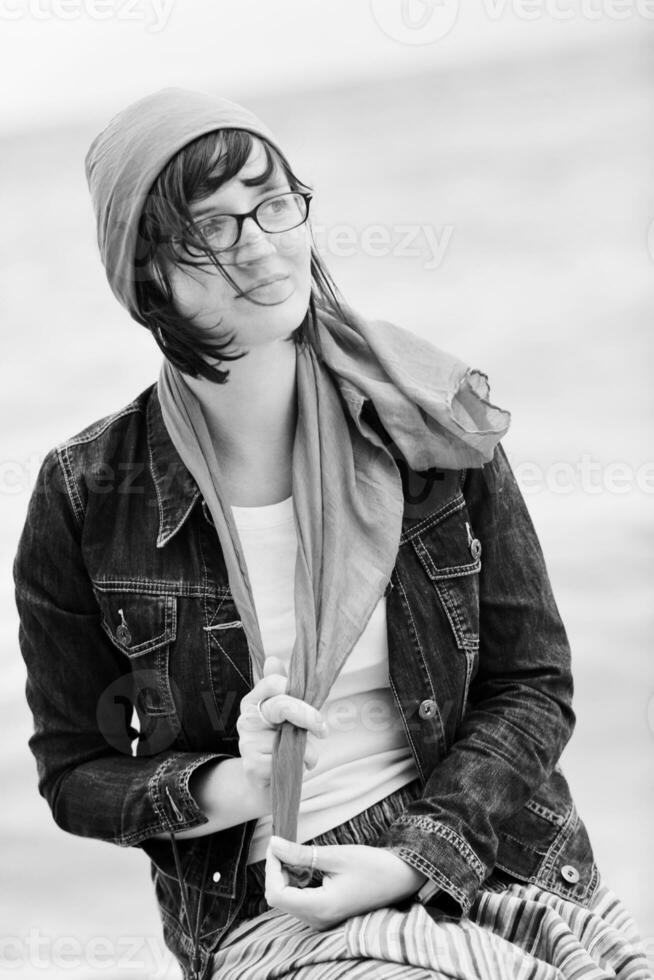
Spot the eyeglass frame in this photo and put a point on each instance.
(240, 218)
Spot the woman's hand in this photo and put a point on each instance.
(357, 879)
(256, 738)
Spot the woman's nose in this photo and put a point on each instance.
(253, 242)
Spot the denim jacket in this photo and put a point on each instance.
(125, 605)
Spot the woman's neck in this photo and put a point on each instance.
(252, 420)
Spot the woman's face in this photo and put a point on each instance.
(256, 314)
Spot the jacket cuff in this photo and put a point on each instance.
(168, 788)
(454, 871)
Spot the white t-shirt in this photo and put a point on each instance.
(366, 755)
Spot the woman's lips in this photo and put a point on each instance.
(269, 283)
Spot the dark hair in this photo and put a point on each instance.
(195, 172)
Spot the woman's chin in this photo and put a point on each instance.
(277, 322)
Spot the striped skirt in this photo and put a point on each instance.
(512, 932)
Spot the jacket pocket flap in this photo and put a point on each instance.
(445, 542)
(138, 623)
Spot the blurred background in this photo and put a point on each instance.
(483, 176)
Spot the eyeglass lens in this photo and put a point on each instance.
(281, 213)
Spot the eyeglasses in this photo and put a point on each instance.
(222, 231)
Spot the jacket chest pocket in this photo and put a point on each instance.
(450, 555)
(143, 627)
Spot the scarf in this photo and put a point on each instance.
(347, 494)
(347, 490)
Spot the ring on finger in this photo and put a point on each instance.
(266, 722)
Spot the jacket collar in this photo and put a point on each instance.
(176, 489)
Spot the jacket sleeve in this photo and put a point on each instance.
(92, 783)
(519, 714)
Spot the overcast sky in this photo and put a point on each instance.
(70, 59)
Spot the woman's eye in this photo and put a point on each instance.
(279, 205)
(213, 227)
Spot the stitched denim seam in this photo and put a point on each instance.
(546, 867)
(148, 646)
(165, 531)
(163, 539)
(101, 427)
(146, 586)
(559, 842)
(415, 633)
(407, 730)
(451, 614)
(470, 660)
(74, 498)
(450, 507)
(563, 891)
(439, 722)
(155, 785)
(220, 597)
(214, 639)
(231, 895)
(421, 863)
(442, 830)
(545, 812)
(451, 609)
(450, 571)
(155, 642)
(187, 772)
(154, 789)
(156, 490)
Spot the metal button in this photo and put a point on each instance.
(427, 708)
(570, 874)
(475, 548)
(124, 635)
(216, 877)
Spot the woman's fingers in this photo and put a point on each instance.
(328, 858)
(276, 707)
(282, 707)
(257, 726)
(268, 686)
(274, 665)
(311, 753)
(316, 906)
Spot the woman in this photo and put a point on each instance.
(302, 558)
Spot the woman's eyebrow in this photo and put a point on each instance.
(278, 183)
